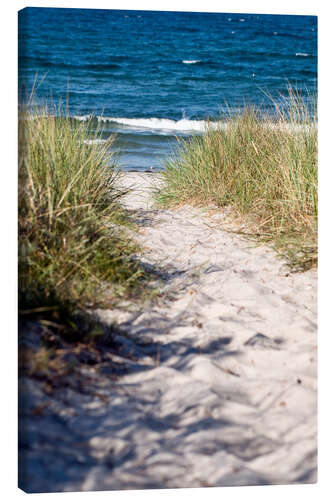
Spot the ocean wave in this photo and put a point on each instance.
(183, 125)
(191, 61)
(301, 54)
(92, 142)
(82, 118)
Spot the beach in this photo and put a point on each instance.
(159, 347)
(212, 383)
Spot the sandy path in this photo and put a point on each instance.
(221, 389)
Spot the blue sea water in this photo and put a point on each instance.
(152, 76)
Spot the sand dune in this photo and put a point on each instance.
(221, 385)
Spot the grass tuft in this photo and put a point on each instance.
(264, 167)
(73, 243)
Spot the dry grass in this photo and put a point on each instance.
(264, 168)
(73, 244)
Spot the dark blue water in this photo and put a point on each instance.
(152, 75)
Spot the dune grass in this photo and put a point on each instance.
(73, 245)
(264, 168)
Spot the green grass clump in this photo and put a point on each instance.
(73, 246)
(264, 168)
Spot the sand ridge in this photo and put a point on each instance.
(221, 386)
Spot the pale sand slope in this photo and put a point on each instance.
(222, 386)
(233, 400)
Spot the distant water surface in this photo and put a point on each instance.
(152, 76)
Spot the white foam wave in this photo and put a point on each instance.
(95, 141)
(183, 125)
(301, 54)
(191, 61)
(82, 118)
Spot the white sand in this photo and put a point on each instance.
(222, 386)
(234, 384)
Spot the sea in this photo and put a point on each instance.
(153, 78)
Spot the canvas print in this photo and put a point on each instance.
(167, 249)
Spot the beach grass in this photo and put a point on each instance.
(264, 167)
(74, 249)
